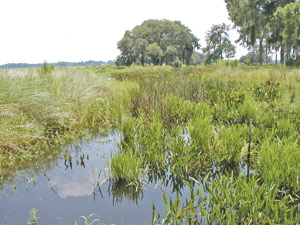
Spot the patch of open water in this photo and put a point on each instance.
(62, 194)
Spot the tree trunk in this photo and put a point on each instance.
(267, 62)
(143, 59)
(276, 50)
(282, 54)
(260, 51)
(287, 54)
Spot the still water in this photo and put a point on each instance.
(64, 192)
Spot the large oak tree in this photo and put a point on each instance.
(160, 41)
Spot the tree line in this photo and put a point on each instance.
(58, 64)
(160, 42)
(264, 26)
(268, 24)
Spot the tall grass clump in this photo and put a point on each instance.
(248, 110)
(128, 130)
(143, 145)
(126, 166)
(47, 108)
(202, 135)
(230, 142)
(151, 142)
(277, 163)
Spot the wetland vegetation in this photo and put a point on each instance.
(182, 128)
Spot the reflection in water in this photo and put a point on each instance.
(79, 186)
(120, 190)
(74, 186)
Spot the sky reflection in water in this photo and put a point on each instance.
(62, 194)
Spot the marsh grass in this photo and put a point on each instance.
(175, 124)
(213, 106)
(42, 112)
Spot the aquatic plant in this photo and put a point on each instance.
(87, 220)
(277, 162)
(230, 141)
(126, 166)
(33, 218)
(232, 200)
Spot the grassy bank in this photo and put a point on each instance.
(43, 110)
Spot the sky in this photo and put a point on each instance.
(34, 31)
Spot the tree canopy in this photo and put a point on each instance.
(157, 42)
(218, 43)
(289, 18)
(273, 23)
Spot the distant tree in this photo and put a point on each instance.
(218, 44)
(197, 58)
(253, 56)
(289, 17)
(161, 41)
(248, 16)
(254, 20)
(58, 64)
(126, 47)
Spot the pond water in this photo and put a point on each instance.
(64, 192)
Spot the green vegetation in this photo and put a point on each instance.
(33, 218)
(226, 131)
(231, 200)
(43, 110)
(192, 122)
(87, 220)
(219, 46)
(274, 24)
(157, 42)
(58, 64)
(186, 127)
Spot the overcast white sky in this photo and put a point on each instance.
(33, 31)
